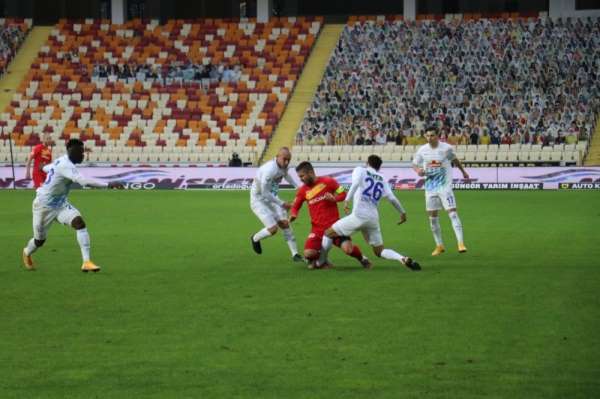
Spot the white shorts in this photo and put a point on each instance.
(43, 218)
(436, 200)
(268, 213)
(370, 228)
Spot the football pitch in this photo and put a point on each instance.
(184, 309)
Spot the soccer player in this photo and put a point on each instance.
(368, 186)
(434, 160)
(322, 195)
(268, 207)
(41, 155)
(51, 204)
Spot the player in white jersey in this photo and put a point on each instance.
(268, 207)
(434, 160)
(51, 204)
(368, 187)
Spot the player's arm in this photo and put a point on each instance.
(389, 195)
(416, 164)
(456, 162)
(28, 166)
(298, 201)
(357, 175)
(74, 175)
(289, 179)
(266, 193)
(339, 191)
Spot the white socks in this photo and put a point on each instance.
(264, 233)
(392, 255)
(83, 238)
(457, 225)
(288, 234)
(326, 244)
(31, 247)
(434, 222)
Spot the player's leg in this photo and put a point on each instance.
(372, 234)
(346, 226)
(449, 202)
(312, 248)
(352, 250)
(42, 220)
(433, 204)
(268, 218)
(458, 229)
(70, 216)
(288, 235)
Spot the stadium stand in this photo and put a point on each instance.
(161, 113)
(12, 35)
(494, 88)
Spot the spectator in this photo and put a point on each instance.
(495, 74)
(474, 137)
(235, 160)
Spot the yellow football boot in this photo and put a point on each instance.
(27, 261)
(439, 249)
(89, 266)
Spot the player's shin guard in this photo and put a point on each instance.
(31, 247)
(391, 255)
(326, 244)
(288, 234)
(434, 222)
(457, 225)
(264, 233)
(83, 238)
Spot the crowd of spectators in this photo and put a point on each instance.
(175, 73)
(480, 81)
(11, 38)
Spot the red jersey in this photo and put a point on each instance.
(41, 155)
(323, 213)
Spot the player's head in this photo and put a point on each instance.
(283, 157)
(47, 139)
(432, 135)
(374, 161)
(75, 150)
(306, 173)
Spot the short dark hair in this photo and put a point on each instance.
(374, 161)
(433, 129)
(74, 143)
(304, 166)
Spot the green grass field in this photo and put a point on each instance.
(184, 309)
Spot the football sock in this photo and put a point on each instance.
(391, 254)
(288, 234)
(326, 244)
(457, 225)
(83, 238)
(31, 247)
(264, 233)
(356, 253)
(434, 222)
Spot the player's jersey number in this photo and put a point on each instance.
(374, 190)
(51, 173)
(49, 177)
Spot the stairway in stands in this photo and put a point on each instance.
(305, 89)
(20, 65)
(593, 155)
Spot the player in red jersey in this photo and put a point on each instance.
(41, 155)
(322, 195)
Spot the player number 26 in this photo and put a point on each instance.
(377, 189)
